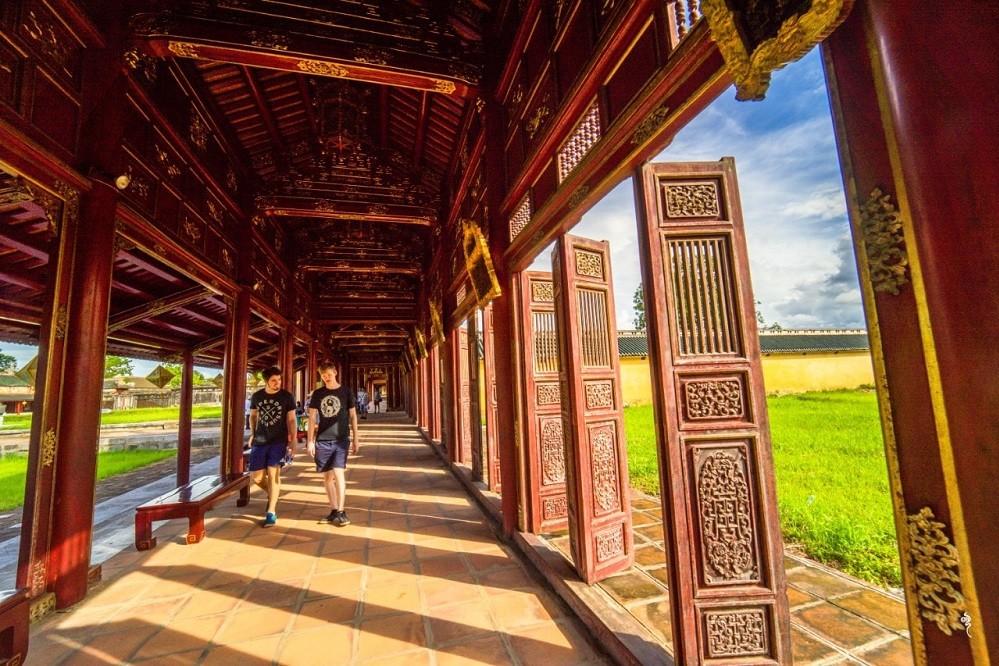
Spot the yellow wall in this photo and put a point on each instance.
(782, 373)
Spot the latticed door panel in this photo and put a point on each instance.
(597, 486)
(719, 506)
(464, 398)
(489, 363)
(545, 449)
(475, 376)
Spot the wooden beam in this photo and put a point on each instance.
(421, 130)
(15, 238)
(264, 110)
(22, 281)
(211, 343)
(384, 120)
(351, 50)
(358, 266)
(154, 308)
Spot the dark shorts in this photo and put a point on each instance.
(331, 455)
(266, 455)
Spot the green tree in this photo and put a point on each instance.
(638, 302)
(7, 362)
(115, 366)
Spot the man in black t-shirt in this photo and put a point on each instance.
(332, 421)
(273, 428)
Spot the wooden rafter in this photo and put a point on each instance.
(155, 308)
(421, 130)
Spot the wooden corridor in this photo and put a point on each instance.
(417, 578)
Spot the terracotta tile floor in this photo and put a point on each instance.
(835, 619)
(418, 577)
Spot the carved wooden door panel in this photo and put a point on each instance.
(599, 512)
(474, 408)
(464, 399)
(723, 538)
(544, 443)
(489, 366)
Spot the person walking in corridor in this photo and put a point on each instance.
(273, 432)
(332, 423)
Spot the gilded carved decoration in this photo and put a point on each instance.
(14, 189)
(141, 63)
(71, 201)
(609, 544)
(321, 68)
(881, 226)
(757, 38)
(590, 264)
(62, 314)
(604, 459)
(736, 633)
(191, 230)
(934, 563)
(198, 130)
(53, 42)
(444, 87)
(42, 606)
(578, 196)
(691, 200)
(553, 451)
(269, 39)
(650, 125)
(370, 55)
(599, 395)
(163, 159)
(727, 538)
(48, 447)
(183, 49)
(540, 114)
(713, 399)
(122, 244)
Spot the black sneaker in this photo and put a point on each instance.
(342, 520)
(328, 519)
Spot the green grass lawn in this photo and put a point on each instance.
(832, 479)
(13, 470)
(122, 416)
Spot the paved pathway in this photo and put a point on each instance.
(417, 578)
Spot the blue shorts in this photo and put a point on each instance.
(331, 455)
(266, 455)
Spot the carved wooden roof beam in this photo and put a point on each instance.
(155, 308)
(357, 47)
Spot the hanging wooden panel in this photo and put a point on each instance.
(542, 418)
(723, 538)
(597, 488)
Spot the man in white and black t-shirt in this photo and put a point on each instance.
(332, 421)
(273, 428)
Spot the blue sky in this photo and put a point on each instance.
(801, 258)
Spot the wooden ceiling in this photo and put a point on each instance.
(348, 117)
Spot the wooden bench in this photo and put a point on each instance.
(15, 613)
(191, 501)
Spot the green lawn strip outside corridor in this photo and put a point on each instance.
(14, 469)
(832, 481)
(124, 416)
(832, 478)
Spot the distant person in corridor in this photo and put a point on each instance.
(273, 431)
(332, 422)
